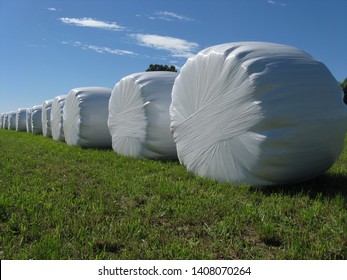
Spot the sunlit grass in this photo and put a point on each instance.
(62, 202)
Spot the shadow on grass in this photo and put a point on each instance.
(97, 148)
(326, 185)
(161, 159)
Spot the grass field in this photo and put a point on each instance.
(62, 202)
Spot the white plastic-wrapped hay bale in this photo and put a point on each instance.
(36, 119)
(139, 119)
(57, 118)
(12, 120)
(20, 120)
(85, 117)
(2, 120)
(5, 121)
(28, 120)
(257, 113)
(46, 118)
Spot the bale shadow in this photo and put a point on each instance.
(326, 185)
(96, 148)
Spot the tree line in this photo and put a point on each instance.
(344, 88)
(160, 67)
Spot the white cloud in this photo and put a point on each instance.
(52, 9)
(177, 47)
(169, 16)
(89, 22)
(99, 49)
(109, 50)
(276, 3)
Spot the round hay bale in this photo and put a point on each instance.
(139, 120)
(5, 121)
(57, 118)
(257, 113)
(46, 118)
(85, 117)
(20, 120)
(12, 120)
(36, 120)
(28, 120)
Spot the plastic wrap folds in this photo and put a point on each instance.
(257, 113)
(85, 117)
(12, 120)
(20, 120)
(36, 119)
(57, 118)
(28, 120)
(46, 118)
(139, 120)
(5, 121)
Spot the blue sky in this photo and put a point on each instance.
(48, 47)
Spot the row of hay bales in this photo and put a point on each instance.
(135, 118)
(246, 112)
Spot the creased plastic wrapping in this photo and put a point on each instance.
(5, 121)
(257, 113)
(57, 118)
(36, 119)
(20, 120)
(12, 120)
(28, 120)
(85, 117)
(46, 118)
(139, 120)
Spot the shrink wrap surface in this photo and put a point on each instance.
(85, 117)
(12, 120)
(20, 120)
(139, 120)
(257, 113)
(28, 120)
(5, 121)
(57, 118)
(46, 118)
(36, 120)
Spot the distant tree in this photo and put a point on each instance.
(344, 88)
(160, 67)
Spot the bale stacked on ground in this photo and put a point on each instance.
(5, 121)
(257, 113)
(36, 119)
(139, 120)
(20, 120)
(28, 120)
(57, 118)
(1, 120)
(46, 118)
(85, 117)
(12, 120)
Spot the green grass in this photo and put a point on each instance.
(62, 202)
